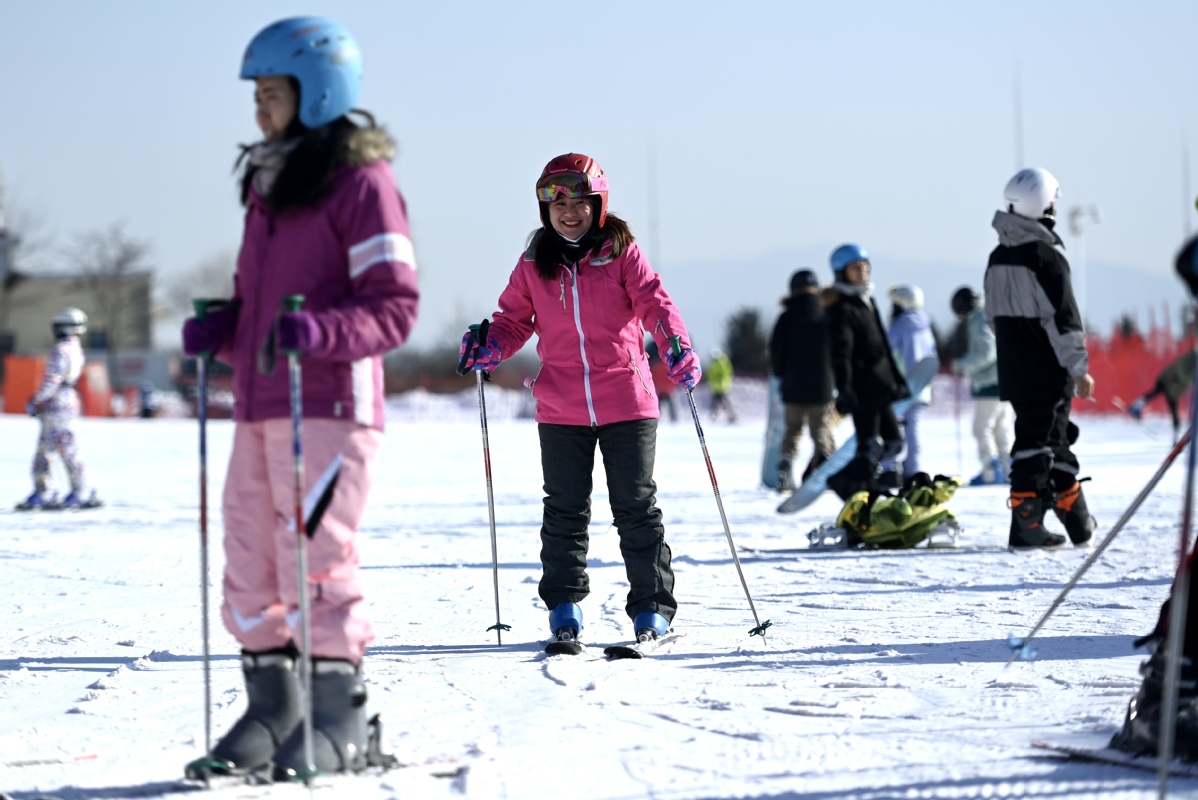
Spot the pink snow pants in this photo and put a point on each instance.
(261, 598)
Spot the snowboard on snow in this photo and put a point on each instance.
(775, 430)
(1118, 758)
(810, 490)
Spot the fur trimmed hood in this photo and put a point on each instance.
(367, 145)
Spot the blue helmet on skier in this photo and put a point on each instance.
(844, 255)
(320, 55)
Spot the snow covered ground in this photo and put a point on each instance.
(882, 675)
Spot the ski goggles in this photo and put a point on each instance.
(568, 184)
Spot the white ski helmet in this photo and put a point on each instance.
(1033, 193)
(906, 296)
(69, 322)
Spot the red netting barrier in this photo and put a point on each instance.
(1125, 365)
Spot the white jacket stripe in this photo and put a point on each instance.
(380, 248)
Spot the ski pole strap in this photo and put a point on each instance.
(760, 629)
(499, 626)
(291, 304)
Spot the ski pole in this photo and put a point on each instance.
(676, 348)
(201, 309)
(1019, 647)
(480, 336)
(293, 303)
(957, 413)
(1179, 600)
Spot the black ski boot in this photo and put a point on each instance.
(1070, 508)
(786, 481)
(1142, 725)
(272, 690)
(1027, 522)
(339, 730)
(859, 476)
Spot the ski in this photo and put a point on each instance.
(1118, 758)
(565, 647)
(618, 652)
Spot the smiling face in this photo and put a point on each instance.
(571, 216)
(275, 104)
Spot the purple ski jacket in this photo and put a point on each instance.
(589, 320)
(350, 256)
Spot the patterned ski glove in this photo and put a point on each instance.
(33, 408)
(299, 333)
(684, 368)
(478, 357)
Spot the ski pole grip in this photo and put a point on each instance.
(293, 302)
(201, 308)
(676, 345)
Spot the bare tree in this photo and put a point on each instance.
(113, 267)
(210, 277)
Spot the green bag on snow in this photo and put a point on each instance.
(890, 521)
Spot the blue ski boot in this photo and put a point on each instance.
(77, 500)
(39, 501)
(565, 620)
(649, 625)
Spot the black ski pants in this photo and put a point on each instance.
(568, 461)
(1041, 460)
(873, 421)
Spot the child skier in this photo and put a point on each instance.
(1042, 360)
(1142, 725)
(585, 288)
(867, 378)
(1173, 382)
(910, 337)
(719, 382)
(979, 362)
(799, 356)
(56, 405)
(323, 219)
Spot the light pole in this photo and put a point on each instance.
(1078, 216)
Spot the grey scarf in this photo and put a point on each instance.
(268, 159)
(862, 290)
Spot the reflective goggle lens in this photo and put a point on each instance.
(568, 184)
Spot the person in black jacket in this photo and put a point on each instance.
(867, 378)
(799, 356)
(1042, 360)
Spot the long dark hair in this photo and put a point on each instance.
(308, 173)
(549, 249)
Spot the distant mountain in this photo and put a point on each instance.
(708, 292)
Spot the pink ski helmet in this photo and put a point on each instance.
(572, 175)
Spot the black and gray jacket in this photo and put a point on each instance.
(1030, 305)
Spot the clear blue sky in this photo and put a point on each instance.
(781, 129)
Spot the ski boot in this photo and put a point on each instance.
(786, 481)
(858, 476)
(1070, 508)
(1027, 523)
(1136, 409)
(1142, 725)
(650, 626)
(274, 710)
(890, 480)
(76, 500)
(565, 620)
(340, 732)
(990, 475)
(39, 501)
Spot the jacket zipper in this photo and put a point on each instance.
(582, 347)
(637, 370)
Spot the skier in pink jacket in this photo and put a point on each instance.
(585, 288)
(323, 219)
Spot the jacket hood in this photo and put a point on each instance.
(1014, 230)
(367, 145)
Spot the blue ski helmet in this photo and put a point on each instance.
(320, 54)
(846, 254)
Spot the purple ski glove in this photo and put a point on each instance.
(299, 332)
(483, 358)
(207, 335)
(684, 368)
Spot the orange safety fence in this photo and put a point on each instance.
(1126, 365)
(23, 374)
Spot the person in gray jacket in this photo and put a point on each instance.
(1042, 360)
(991, 416)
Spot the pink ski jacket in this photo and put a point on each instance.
(351, 258)
(590, 320)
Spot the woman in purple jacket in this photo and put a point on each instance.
(585, 288)
(323, 219)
